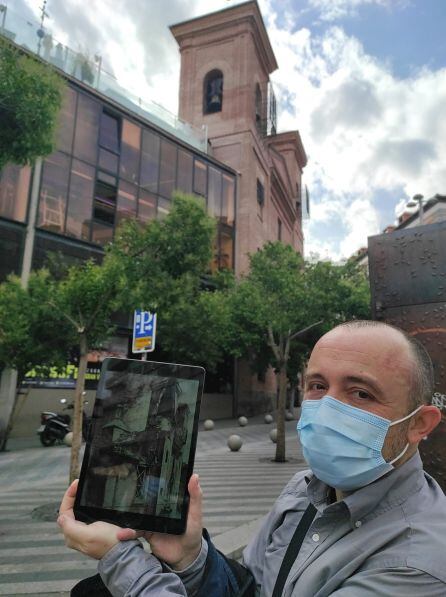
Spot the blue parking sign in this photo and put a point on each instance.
(144, 331)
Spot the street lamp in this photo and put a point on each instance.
(417, 200)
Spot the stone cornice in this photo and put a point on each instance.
(289, 141)
(245, 17)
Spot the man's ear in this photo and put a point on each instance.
(423, 423)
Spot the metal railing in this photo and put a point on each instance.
(81, 66)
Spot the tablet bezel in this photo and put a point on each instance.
(146, 522)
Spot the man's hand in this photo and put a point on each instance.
(95, 539)
(178, 551)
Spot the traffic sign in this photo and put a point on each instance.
(144, 331)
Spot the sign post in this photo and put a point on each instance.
(144, 331)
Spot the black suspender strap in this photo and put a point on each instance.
(293, 549)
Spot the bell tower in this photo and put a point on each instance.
(226, 60)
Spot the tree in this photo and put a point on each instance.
(30, 98)
(27, 338)
(166, 265)
(279, 306)
(86, 299)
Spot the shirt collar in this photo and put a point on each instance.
(388, 491)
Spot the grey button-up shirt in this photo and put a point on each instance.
(386, 539)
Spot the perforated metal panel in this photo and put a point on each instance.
(408, 284)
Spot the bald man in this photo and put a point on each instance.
(365, 520)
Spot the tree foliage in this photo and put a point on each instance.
(166, 265)
(283, 304)
(30, 98)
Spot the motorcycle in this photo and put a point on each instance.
(55, 426)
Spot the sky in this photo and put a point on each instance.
(364, 82)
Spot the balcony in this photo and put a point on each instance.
(38, 40)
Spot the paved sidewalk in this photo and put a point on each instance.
(239, 489)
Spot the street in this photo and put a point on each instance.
(239, 489)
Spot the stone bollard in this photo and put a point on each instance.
(268, 418)
(289, 416)
(208, 425)
(242, 421)
(235, 442)
(68, 439)
(273, 435)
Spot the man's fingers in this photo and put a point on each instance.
(68, 499)
(196, 498)
(127, 534)
(72, 529)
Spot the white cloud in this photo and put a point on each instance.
(331, 10)
(365, 130)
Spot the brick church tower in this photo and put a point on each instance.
(226, 60)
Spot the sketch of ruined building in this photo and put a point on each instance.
(140, 454)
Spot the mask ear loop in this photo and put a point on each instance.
(400, 421)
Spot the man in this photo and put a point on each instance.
(380, 523)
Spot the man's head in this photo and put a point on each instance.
(380, 369)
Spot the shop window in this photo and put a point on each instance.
(54, 193)
(213, 92)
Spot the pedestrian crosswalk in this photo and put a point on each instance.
(238, 487)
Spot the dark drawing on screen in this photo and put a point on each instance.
(140, 450)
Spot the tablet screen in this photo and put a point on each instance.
(140, 452)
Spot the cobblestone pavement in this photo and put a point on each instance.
(239, 487)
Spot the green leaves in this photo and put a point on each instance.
(30, 98)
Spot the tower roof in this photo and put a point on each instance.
(223, 21)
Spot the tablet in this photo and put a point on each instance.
(140, 451)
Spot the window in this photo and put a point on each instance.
(130, 149)
(226, 249)
(65, 128)
(104, 208)
(80, 201)
(279, 229)
(184, 171)
(11, 247)
(54, 192)
(213, 92)
(146, 206)
(164, 206)
(228, 200)
(168, 166)
(260, 193)
(148, 177)
(214, 192)
(14, 191)
(109, 144)
(126, 207)
(87, 129)
(109, 132)
(200, 177)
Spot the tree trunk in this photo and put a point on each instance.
(78, 407)
(280, 445)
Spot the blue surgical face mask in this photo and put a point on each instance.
(342, 444)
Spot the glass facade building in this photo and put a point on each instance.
(108, 166)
